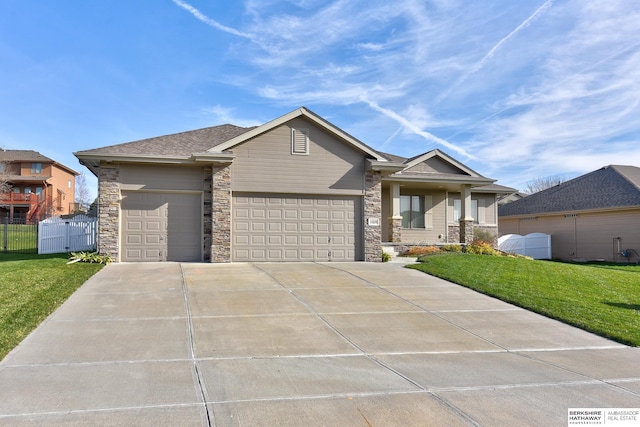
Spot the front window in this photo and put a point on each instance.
(457, 210)
(36, 167)
(16, 190)
(412, 211)
(27, 190)
(39, 191)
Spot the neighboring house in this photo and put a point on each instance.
(295, 189)
(503, 199)
(40, 186)
(592, 217)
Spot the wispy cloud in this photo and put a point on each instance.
(489, 55)
(564, 87)
(218, 114)
(411, 126)
(211, 22)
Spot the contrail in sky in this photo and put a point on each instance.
(413, 128)
(478, 66)
(215, 24)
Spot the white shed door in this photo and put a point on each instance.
(295, 228)
(158, 226)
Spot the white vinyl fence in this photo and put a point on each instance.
(534, 245)
(56, 235)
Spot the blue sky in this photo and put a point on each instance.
(516, 90)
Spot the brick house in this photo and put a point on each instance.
(39, 186)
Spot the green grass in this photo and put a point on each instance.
(31, 288)
(604, 299)
(19, 238)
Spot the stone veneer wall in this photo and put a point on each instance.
(207, 213)
(395, 225)
(221, 214)
(373, 209)
(466, 231)
(109, 211)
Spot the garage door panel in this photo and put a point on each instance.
(301, 229)
(161, 226)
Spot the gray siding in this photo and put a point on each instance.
(161, 177)
(266, 164)
(435, 165)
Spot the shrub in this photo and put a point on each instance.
(480, 247)
(90, 257)
(484, 236)
(385, 257)
(421, 250)
(451, 248)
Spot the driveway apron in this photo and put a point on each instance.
(292, 344)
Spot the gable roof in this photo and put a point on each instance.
(23, 156)
(308, 114)
(606, 188)
(467, 175)
(14, 156)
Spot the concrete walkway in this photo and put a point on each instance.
(353, 344)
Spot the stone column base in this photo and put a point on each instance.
(466, 231)
(395, 225)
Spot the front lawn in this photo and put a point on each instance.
(604, 299)
(31, 288)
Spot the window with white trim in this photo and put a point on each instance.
(477, 211)
(299, 141)
(416, 211)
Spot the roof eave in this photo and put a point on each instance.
(386, 167)
(473, 181)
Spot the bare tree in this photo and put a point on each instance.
(539, 184)
(82, 192)
(5, 177)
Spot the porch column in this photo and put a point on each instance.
(395, 221)
(466, 220)
(109, 211)
(373, 216)
(221, 214)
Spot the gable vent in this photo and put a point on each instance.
(299, 141)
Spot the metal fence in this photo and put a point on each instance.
(17, 236)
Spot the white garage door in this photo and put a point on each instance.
(158, 226)
(287, 228)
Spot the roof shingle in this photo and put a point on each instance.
(178, 144)
(608, 187)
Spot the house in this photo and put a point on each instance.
(297, 188)
(505, 198)
(40, 186)
(592, 217)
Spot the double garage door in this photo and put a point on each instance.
(161, 226)
(295, 228)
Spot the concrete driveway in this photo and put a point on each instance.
(335, 344)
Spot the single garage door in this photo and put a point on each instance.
(161, 226)
(295, 228)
